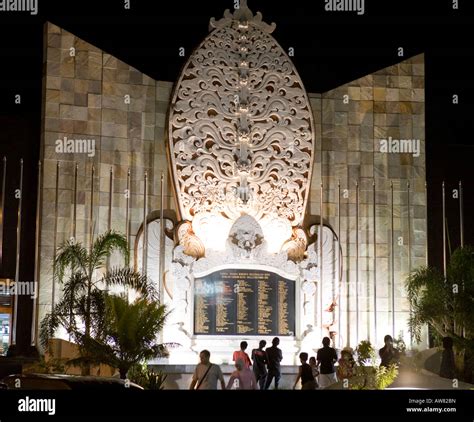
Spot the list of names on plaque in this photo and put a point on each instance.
(244, 302)
(265, 307)
(201, 320)
(224, 307)
(283, 307)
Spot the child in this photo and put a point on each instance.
(314, 368)
(305, 373)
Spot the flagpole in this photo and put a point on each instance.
(145, 226)
(34, 315)
(17, 258)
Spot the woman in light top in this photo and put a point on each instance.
(242, 378)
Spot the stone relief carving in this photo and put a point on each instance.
(246, 245)
(241, 132)
(153, 253)
(296, 246)
(311, 268)
(191, 244)
(181, 271)
(245, 236)
(244, 16)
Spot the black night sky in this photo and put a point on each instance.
(330, 50)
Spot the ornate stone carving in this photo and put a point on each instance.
(191, 244)
(240, 126)
(246, 246)
(245, 236)
(296, 246)
(243, 15)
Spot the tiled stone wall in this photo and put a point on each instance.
(355, 117)
(85, 97)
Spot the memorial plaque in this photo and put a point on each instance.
(244, 302)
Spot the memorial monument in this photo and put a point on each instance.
(259, 210)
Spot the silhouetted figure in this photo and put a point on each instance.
(240, 354)
(259, 358)
(242, 378)
(274, 357)
(305, 373)
(326, 357)
(314, 369)
(388, 354)
(447, 369)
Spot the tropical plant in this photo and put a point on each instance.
(384, 376)
(446, 304)
(400, 345)
(129, 334)
(81, 310)
(365, 353)
(369, 375)
(147, 378)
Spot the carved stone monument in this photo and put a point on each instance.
(283, 213)
(240, 142)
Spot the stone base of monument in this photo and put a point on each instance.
(179, 376)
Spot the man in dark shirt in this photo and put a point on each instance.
(388, 354)
(326, 357)
(259, 358)
(274, 357)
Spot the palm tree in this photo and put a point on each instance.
(81, 310)
(129, 334)
(446, 304)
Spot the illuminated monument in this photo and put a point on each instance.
(283, 216)
(241, 142)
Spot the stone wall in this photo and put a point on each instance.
(355, 118)
(86, 97)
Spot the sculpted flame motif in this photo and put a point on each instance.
(240, 126)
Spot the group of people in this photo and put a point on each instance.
(263, 367)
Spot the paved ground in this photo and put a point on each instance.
(426, 380)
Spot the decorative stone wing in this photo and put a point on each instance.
(240, 128)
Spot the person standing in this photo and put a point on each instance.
(305, 373)
(259, 358)
(447, 369)
(314, 370)
(388, 354)
(241, 354)
(206, 374)
(274, 357)
(242, 378)
(326, 358)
